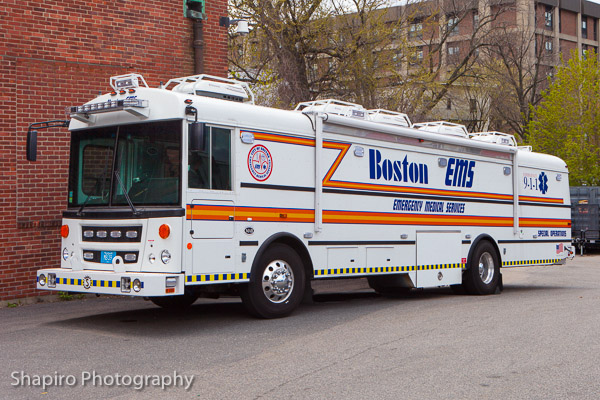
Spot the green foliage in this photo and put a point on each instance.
(65, 296)
(12, 305)
(566, 123)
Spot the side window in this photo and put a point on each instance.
(211, 168)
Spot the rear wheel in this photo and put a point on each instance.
(276, 283)
(175, 302)
(483, 275)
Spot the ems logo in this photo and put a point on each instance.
(87, 282)
(260, 163)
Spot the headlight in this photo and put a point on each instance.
(65, 254)
(136, 285)
(151, 258)
(51, 280)
(165, 256)
(125, 284)
(42, 280)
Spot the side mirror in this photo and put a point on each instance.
(31, 145)
(197, 140)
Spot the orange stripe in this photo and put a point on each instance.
(283, 139)
(359, 217)
(404, 189)
(545, 223)
(541, 199)
(343, 147)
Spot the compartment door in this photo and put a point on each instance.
(438, 258)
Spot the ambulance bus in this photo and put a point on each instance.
(190, 189)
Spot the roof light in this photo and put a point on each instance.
(131, 90)
(137, 107)
(64, 231)
(122, 91)
(113, 93)
(188, 101)
(126, 81)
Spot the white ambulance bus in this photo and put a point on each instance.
(191, 190)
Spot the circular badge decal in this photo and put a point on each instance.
(260, 163)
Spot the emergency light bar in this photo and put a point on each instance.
(136, 107)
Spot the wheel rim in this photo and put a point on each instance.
(486, 268)
(278, 281)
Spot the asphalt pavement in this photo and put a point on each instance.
(539, 339)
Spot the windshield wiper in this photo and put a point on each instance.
(135, 211)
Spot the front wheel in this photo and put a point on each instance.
(276, 283)
(483, 275)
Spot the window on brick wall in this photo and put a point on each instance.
(472, 106)
(449, 104)
(548, 17)
(453, 52)
(452, 26)
(584, 31)
(548, 46)
(397, 58)
(415, 30)
(417, 56)
(475, 20)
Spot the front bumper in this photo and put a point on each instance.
(105, 282)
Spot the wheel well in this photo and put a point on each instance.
(487, 238)
(296, 244)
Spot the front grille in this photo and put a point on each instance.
(95, 256)
(120, 234)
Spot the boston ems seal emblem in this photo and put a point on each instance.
(260, 163)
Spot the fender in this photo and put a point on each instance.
(479, 238)
(295, 243)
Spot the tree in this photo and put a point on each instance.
(306, 49)
(451, 55)
(518, 63)
(566, 123)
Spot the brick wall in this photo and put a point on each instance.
(568, 22)
(59, 53)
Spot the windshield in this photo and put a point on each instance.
(140, 160)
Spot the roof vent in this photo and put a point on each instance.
(333, 106)
(213, 86)
(443, 127)
(389, 117)
(495, 137)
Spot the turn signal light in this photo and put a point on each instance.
(164, 231)
(64, 231)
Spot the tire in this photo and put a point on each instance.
(483, 275)
(387, 285)
(277, 282)
(175, 303)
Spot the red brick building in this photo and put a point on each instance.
(54, 54)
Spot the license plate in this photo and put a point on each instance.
(106, 257)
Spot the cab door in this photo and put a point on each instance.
(211, 205)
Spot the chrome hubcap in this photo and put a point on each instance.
(486, 268)
(278, 281)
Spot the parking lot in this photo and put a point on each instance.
(539, 339)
